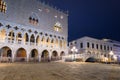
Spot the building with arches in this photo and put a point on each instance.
(90, 47)
(30, 30)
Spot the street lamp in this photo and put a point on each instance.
(74, 50)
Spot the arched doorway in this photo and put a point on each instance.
(6, 54)
(21, 55)
(91, 59)
(34, 55)
(45, 55)
(62, 54)
(54, 55)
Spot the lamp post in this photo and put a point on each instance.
(74, 50)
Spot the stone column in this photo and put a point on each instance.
(39, 57)
(13, 55)
(15, 38)
(29, 40)
(50, 55)
(27, 57)
(35, 41)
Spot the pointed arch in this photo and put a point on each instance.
(34, 55)
(52, 41)
(26, 38)
(54, 55)
(62, 54)
(32, 38)
(43, 40)
(45, 55)
(6, 53)
(19, 37)
(48, 41)
(21, 54)
(3, 35)
(11, 35)
(38, 40)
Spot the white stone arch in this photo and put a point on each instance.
(52, 42)
(43, 40)
(2, 53)
(62, 53)
(48, 40)
(45, 55)
(32, 38)
(11, 34)
(54, 55)
(38, 39)
(3, 33)
(21, 55)
(26, 37)
(19, 36)
(34, 54)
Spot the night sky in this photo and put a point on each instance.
(95, 18)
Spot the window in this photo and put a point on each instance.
(81, 45)
(33, 21)
(19, 35)
(92, 45)
(96, 46)
(88, 45)
(107, 47)
(33, 18)
(101, 47)
(104, 47)
(58, 27)
(3, 6)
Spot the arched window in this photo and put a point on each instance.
(19, 37)
(57, 27)
(26, 37)
(33, 19)
(3, 6)
(52, 41)
(32, 38)
(11, 35)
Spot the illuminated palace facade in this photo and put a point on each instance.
(30, 30)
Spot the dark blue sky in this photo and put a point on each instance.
(94, 18)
